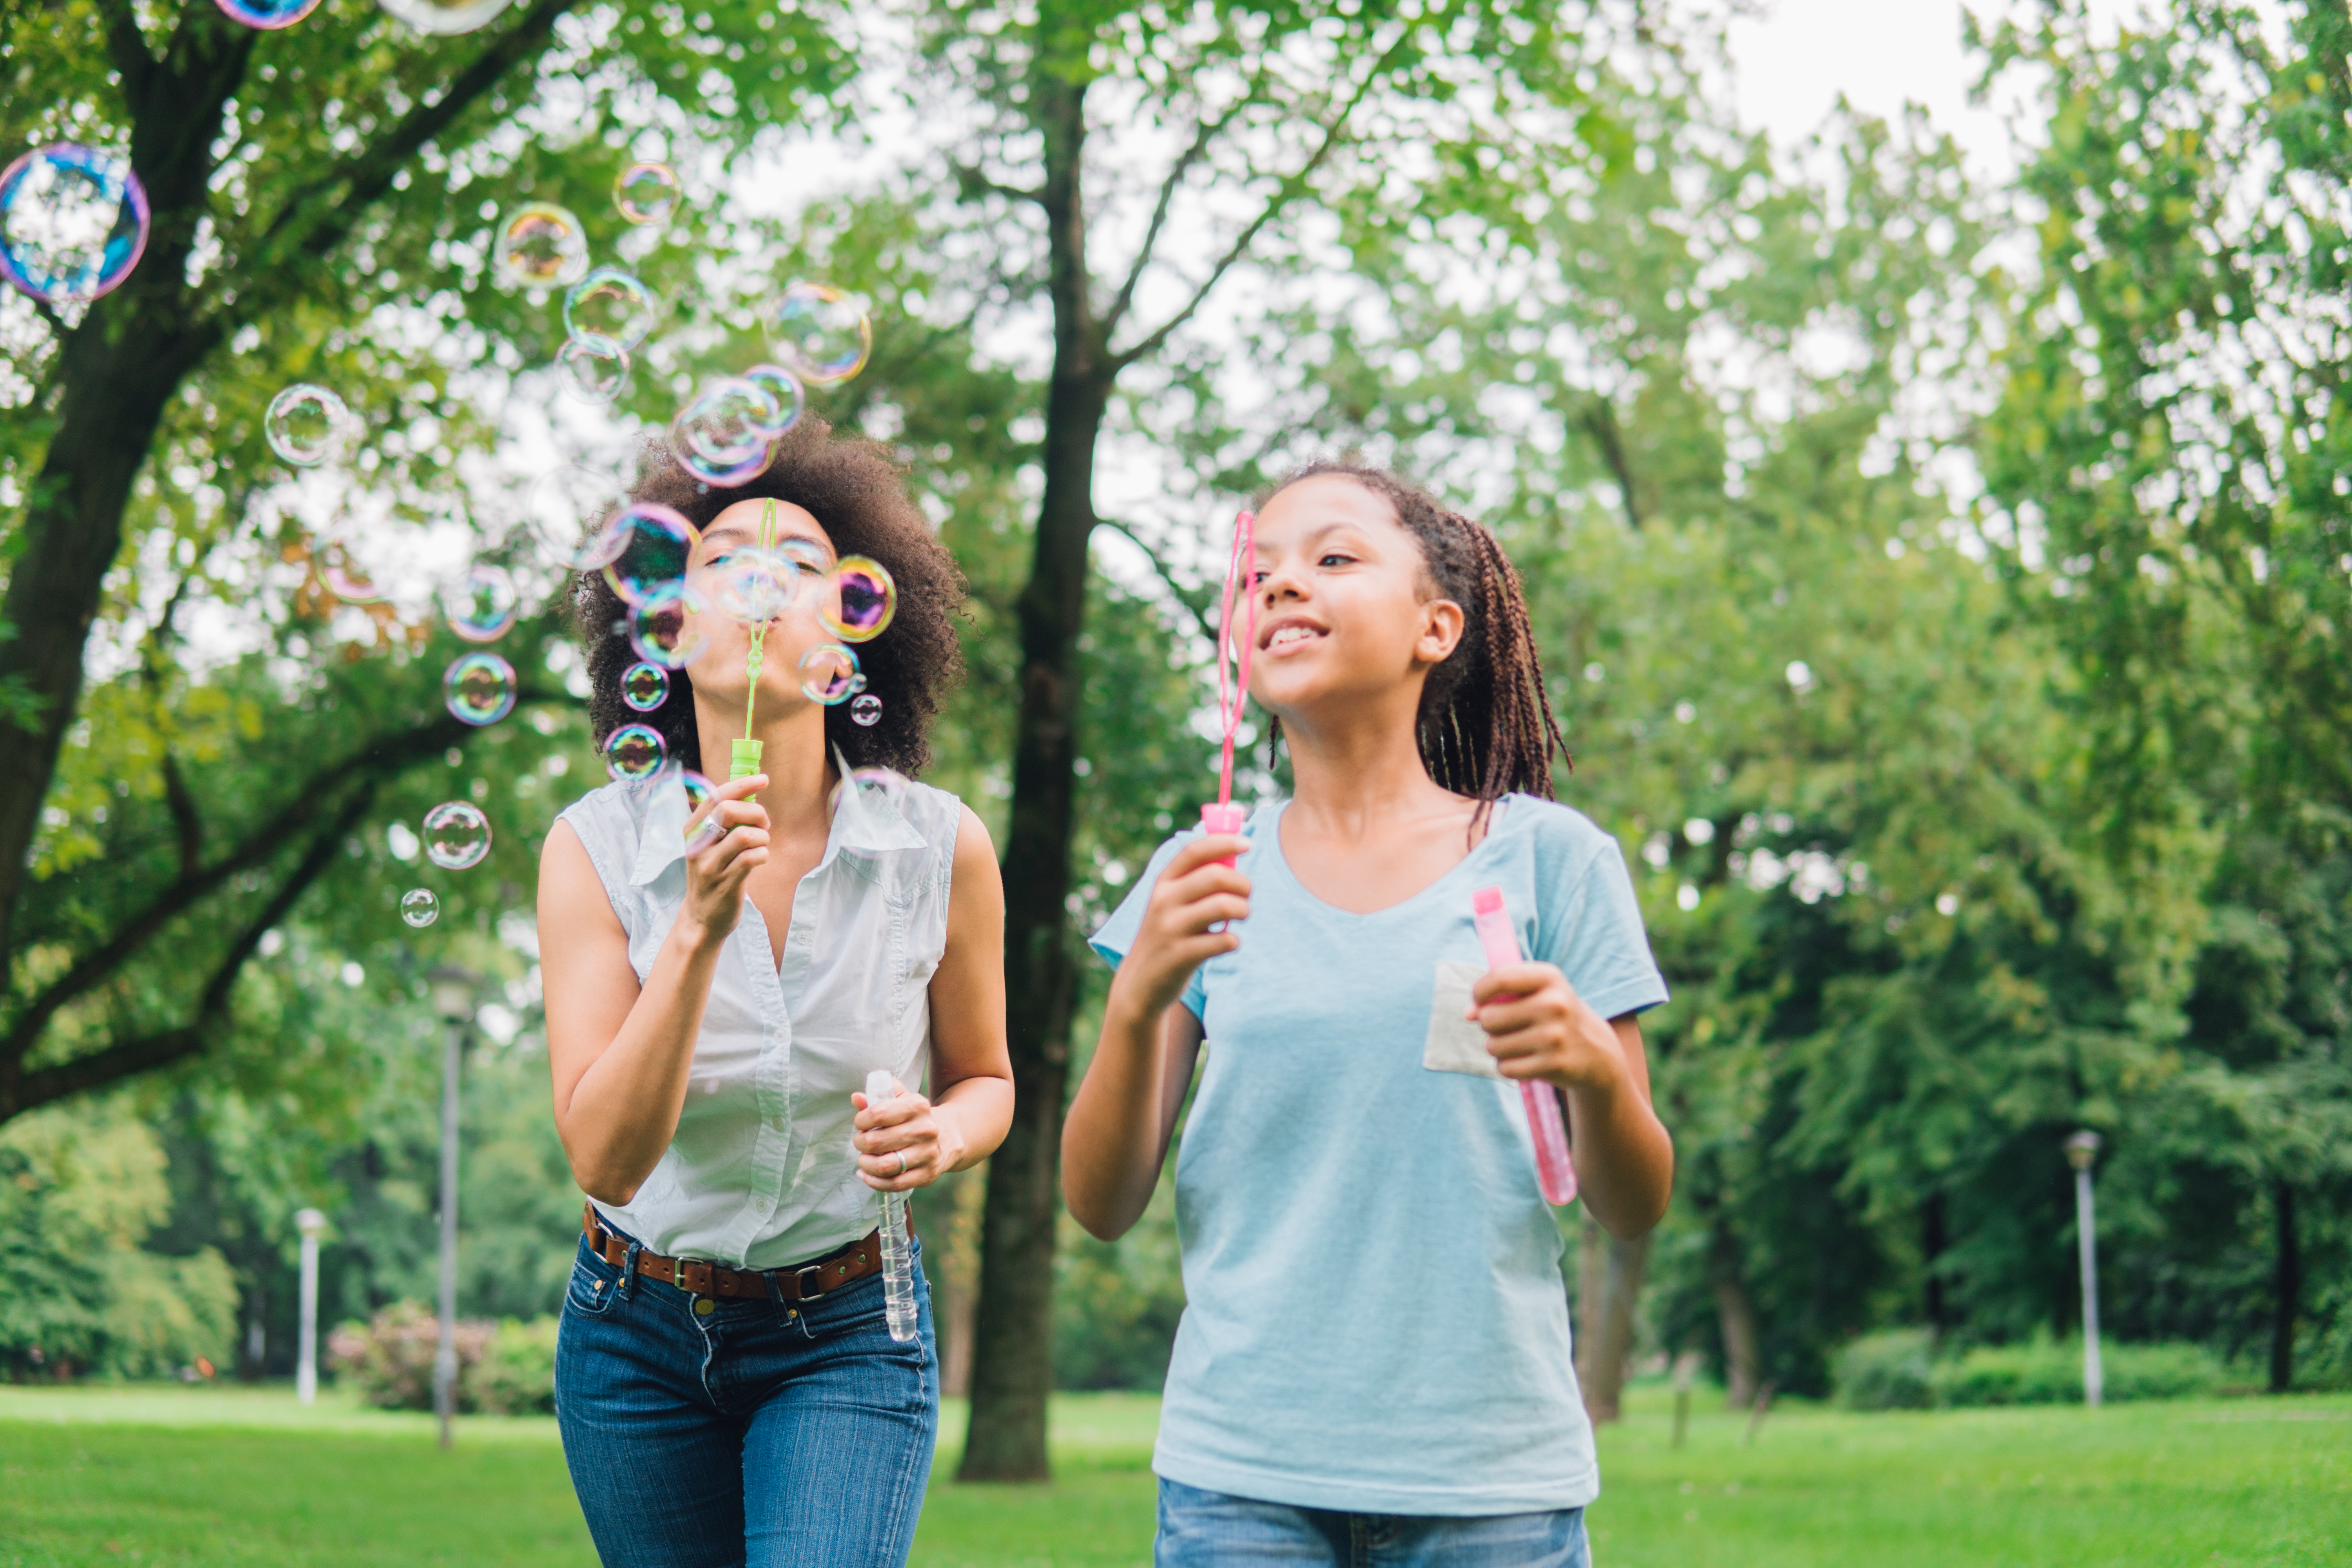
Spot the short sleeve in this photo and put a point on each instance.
(1599, 942)
(1117, 933)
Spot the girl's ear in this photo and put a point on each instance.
(1441, 631)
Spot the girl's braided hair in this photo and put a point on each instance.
(1486, 726)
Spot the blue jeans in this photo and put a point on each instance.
(759, 1433)
(1207, 1530)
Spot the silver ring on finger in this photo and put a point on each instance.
(902, 1162)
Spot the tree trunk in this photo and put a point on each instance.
(2287, 1288)
(1012, 1361)
(1736, 1312)
(1612, 1283)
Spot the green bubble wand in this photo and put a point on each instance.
(745, 759)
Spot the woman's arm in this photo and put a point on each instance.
(972, 1069)
(1116, 1139)
(1537, 1027)
(620, 1053)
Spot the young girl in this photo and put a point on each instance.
(1374, 1363)
(727, 1386)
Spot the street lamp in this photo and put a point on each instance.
(453, 998)
(2082, 1149)
(311, 1223)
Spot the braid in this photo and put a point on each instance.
(1486, 727)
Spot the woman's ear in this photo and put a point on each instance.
(1441, 631)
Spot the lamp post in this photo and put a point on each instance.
(310, 1222)
(453, 998)
(2082, 1149)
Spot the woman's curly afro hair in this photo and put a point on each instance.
(858, 495)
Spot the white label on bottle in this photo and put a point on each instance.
(1454, 1043)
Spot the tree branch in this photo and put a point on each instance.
(972, 185)
(382, 758)
(148, 1052)
(127, 47)
(1599, 421)
(1284, 194)
(1206, 133)
(1194, 597)
(367, 175)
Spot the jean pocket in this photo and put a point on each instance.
(594, 1285)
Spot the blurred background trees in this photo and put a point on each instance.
(1944, 588)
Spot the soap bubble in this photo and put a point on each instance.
(306, 425)
(644, 687)
(480, 688)
(699, 791)
(829, 674)
(654, 544)
(481, 605)
(785, 389)
(541, 246)
(750, 585)
(73, 222)
(268, 15)
(658, 630)
(635, 752)
(821, 334)
(807, 554)
(445, 17)
(420, 907)
(867, 709)
(344, 576)
(569, 507)
(594, 368)
(647, 193)
(859, 600)
(456, 835)
(891, 787)
(720, 436)
(611, 304)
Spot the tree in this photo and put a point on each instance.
(1248, 118)
(313, 215)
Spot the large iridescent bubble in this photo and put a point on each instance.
(859, 601)
(445, 17)
(612, 304)
(647, 193)
(594, 368)
(456, 835)
(268, 15)
(420, 907)
(482, 604)
(750, 585)
(720, 436)
(73, 222)
(478, 687)
(306, 424)
(541, 246)
(829, 675)
(635, 752)
(784, 389)
(660, 631)
(644, 687)
(820, 333)
(654, 544)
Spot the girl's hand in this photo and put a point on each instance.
(715, 873)
(1539, 1027)
(904, 1143)
(1192, 894)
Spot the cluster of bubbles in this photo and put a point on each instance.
(73, 222)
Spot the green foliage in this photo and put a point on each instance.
(1891, 1371)
(504, 1368)
(1116, 1304)
(79, 1192)
(2050, 1371)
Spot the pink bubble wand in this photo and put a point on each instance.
(1233, 696)
(1554, 1170)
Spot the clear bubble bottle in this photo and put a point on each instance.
(897, 1257)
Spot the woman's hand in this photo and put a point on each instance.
(716, 874)
(1539, 1027)
(904, 1142)
(1194, 894)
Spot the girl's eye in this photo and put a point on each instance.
(1335, 559)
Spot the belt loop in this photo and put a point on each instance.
(775, 1290)
(629, 1269)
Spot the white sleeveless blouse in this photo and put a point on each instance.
(760, 1173)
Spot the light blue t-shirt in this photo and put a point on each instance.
(1375, 1319)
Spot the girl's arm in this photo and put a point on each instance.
(1624, 1160)
(972, 1069)
(1116, 1139)
(620, 1052)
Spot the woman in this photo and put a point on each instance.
(726, 1386)
(1373, 1362)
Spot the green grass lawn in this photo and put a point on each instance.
(206, 1477)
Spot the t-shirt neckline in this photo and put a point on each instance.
(1281, 862)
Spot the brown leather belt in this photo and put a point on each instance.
(803, 1282)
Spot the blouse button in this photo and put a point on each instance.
(777, 1123)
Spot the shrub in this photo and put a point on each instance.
(390, 1358)
(1894, 1371)
(516, 1375)
(2050, 1371)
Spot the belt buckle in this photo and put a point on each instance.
(677, 1268)
(800, 1281)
